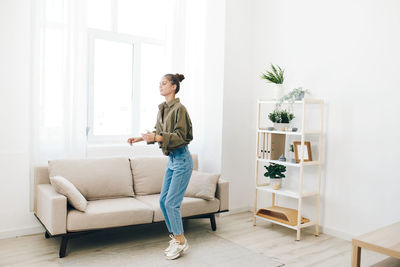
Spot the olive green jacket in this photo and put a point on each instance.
(174, 125)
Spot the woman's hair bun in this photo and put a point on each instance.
(180, 77)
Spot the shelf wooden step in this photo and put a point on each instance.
(286, 192)
(305, 100)
(311, 223)
(282, 215)
(286, 163)
(261, 130)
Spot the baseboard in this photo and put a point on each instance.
(335, 233)
(235, 211)
(37, 229)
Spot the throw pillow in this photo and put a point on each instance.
(66, 188)
(96, 178)
(202, 185)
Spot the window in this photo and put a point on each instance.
(112, 83)
(116, 51)
(127, 57)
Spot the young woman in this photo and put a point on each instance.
(173, 132)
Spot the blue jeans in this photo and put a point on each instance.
(176, 179)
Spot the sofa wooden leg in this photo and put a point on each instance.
(63, 246)
(46, 235)
(212, 220)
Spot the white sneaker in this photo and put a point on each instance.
(177, 249)
(171, 242)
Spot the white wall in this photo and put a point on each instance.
(14, 114)
(345, 52)
(238, 130)
(210, 160)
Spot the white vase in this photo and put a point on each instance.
(279, 91)
(281, 126)
(300, 96)
(292, 159)
(276, 183)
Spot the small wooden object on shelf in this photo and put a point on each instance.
(281, 214)
(307, 152)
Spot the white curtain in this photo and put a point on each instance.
(59, 103)
(59, 73)
(58, 90)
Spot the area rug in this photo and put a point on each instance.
(206, 249)
(143, 246)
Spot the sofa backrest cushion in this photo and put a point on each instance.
(98, 178)
(148, 173)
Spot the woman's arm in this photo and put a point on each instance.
(152, 137)
(135, 140)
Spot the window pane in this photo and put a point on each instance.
(55, 10)
(53, 78)
(112, 88)
(145, 18)
(153, 67)
(99, 14)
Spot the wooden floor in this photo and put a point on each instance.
(279, 243)
(273, 241)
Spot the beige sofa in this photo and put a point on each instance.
(119, 192)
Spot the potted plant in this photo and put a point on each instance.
(281, 118)
(297, 94)
(275, 76)
(275, 173)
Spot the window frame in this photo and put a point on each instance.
(136, 42)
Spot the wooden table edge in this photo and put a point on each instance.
(369, 246)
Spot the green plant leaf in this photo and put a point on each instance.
(274, 69)
(275, 171)
(276, 76)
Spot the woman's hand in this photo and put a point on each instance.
(134, 140)
(149, 137)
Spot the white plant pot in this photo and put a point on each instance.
(300, 96)
(281, 126)
(276, 183)
(279, 91)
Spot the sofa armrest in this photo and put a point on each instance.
(51, 209)
(222, 193)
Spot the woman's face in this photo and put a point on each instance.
(166, 87)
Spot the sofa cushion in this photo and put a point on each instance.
(148, 174)
(190, 206)
(107, 213)
(202, 185)
(96, 178)
(66, 188)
